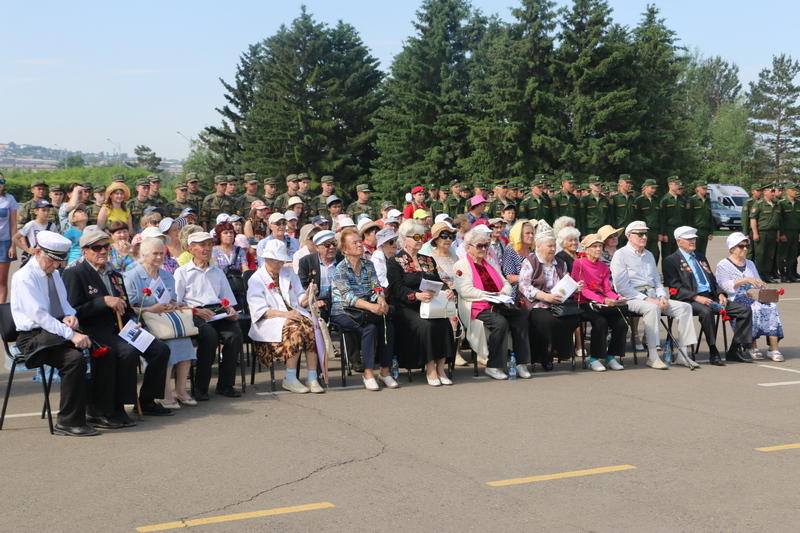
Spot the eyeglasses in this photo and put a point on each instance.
(444, 235)
(418, 238)
(393, 242)
(743, 246)
(639, 233)
(329, 244)
(281, 223)
(100, 247)
(481, 246)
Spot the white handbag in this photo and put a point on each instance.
(439, 307)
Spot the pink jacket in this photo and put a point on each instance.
(596, 277)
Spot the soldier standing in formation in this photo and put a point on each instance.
(536, 205)
(139, 203)
(271, 192)
(318, 205)
(181, 200)
(194, 196)
(292, 188)
(564, 203)
(212, 204)
(646, 208)
(362, 205)
(790, 234)
(454, 205)
(747, 207)
(698, 207)
(154, 198)
(93, 207)
(303, 192)
(622, 209)
(765, 226)
(250, 193)
(500, 200)
(673, 215)
(595, 207)
(26, 214)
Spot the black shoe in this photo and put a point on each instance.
(738, 354)
(715, 359)
(103, 422)
(75, 431)
(153, 409)
(548, 366)
(201, 396)
(771, 280)
(230, 392)
(124, 419)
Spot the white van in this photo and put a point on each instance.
(728, 195)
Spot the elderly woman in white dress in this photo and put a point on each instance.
(737, 276)
(281, 325)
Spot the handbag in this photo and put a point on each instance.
(170, 325)
(438, 307)
(566, 309)
(362, 317)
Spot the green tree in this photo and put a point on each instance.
(596, 65)
(730, 146)
(423, 128)
(519, 130)
(145, 158)
(205, 161)
(774, 102)
(72, 161)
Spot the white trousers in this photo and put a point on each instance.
(683, 325)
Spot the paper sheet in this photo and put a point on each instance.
(160, 292)
(433, 286)
(565, 287)
(218, 316)
(499, 299)
(137, 337)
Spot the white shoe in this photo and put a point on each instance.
(389, 382)
(597, 366)
(657, 363)
(523, 372)
(682, 360)
(775, 355)
(613, 364)
(756, 354)
(444, 380)
(294, 386)
(640, 347)
(495, 373)
(482, 361)
(370, 384)
(169, 405)
(580, 352)
(315, 387)
(435, 382)
(186, 401)
(460, 361)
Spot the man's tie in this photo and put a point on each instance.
(55, 303)
(698, 271)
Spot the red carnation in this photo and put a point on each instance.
(377, 290)
(723, 312)
(99, 352)
(459, 273)
(781, 291)
(270, 286)
(225, 302)
(581, 255)
(673, 291)
(147, 292)
(726, 318)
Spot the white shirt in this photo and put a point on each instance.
(298, 255)
(379, 260)
(631, 270)
(197, 287)
(30, 301)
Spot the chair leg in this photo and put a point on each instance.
(49, 386)
(724, 335)
(272, 383)
(253, 363)
(241, 368)
(344, 360)
(474, 363)
(8, 392)
(633, 343)
(47, 397)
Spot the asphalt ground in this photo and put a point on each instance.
(637, 450)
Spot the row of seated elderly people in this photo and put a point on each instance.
(376, 301)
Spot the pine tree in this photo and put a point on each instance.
(774, 102)
(423, 127)
(519, 130)
(597, 76)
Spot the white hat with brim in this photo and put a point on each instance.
(274, 218)
(442, 217)
(200, 236)
(290, 215)
(385, 235)
(54, 245)
(152, 233)
(636, 225)
(165, 224)
(685, 232)
(393, 213)
(275, 249)
(735, 238)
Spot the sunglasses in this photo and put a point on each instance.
(393, 242)
(743, 246)
(100, 247)
(481, 246)
(281, 223)
(639, 233)
(329, 244)
(444, 235)
(418, 238)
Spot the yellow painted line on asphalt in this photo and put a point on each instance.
(562, 475)
(779, 448)
(231, 517)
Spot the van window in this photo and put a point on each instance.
(727, 202)
(739, 200)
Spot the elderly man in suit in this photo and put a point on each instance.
(318, 268)
(98, 295)
(689, 277)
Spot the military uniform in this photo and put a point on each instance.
(25, 214)
(357, 208)
(136, 208)
(595, 210)
(790, 229)
(747, 208)
(622, 212)
(536, 208)
(92, 210)
(767, 217)
(195, 200)
(565, 204)
(699, 215)
(673, 215)
(648, 210)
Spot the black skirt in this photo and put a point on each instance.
(419, 340)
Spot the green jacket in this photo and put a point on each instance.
(649, 211)
(699, 212)
(767, 215)
(790, 215)
(673, 214)
(622, 209)
(596, 212)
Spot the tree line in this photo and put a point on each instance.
(472, 97)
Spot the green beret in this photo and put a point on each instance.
(362, 187)
(650, 183)
(326, 179)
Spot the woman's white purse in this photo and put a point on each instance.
(438, 307)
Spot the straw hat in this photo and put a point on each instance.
(608, 231)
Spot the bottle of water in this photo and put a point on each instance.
(512, 366)
(668, 352)
(395, 367)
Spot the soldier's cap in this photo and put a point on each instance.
(625, 177)
(41, 203)
(387, 204)
(118, 177)
(332, 198)
(538, 183)
(188, 211)
(567, 177)
(581, 187)
(791, 185)
(250, 177)
(650, 183)
(594, 180)
(54, 245)
(143, 182)
(100, 188)
(501, 183)
(326, 179)
(91, 236)
(38, 183)
(231, 179)
(765, 186)
(181, 185)
(454, 182)
(271, 181)
(674, 179)
(57, 188)
(191, 176)
(433, 187)
(294, 200)
(541, 177)
(510, 206)
(303, 176)
(700, 183)
(363, 187)
(292, 177)
(777, 185)
(152, 178)
(219, 179)
(481, 185)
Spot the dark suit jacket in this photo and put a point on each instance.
(85, 291)
(308, 271)
(678, 274)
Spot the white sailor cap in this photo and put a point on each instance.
(53, 245)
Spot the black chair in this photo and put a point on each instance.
(8, 332)
(344, 353)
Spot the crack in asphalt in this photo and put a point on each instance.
(314, 472)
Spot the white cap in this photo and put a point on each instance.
(345, 221)
(274, 218)
(152, 233)
(442, 217)
(393, 213)
(53, 245)
(200, 236)
(323, 236)
(275, 249)
(385, 235)
(735, 238)
(223, 217)
(165, 224)
(332, 198)
(482, 228)
(293, 201)
(685, 232)
(636, 225)
(391, 220)
(290, 215)
(363, 222)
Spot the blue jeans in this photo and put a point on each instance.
(370, 336)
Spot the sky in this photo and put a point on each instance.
(98, 76)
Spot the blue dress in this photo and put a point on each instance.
(137, 279)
